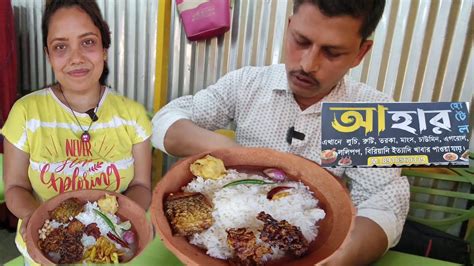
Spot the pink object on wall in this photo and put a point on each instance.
(203, 19)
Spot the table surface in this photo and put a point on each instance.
(158, 254)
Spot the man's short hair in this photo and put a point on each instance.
(369, 10)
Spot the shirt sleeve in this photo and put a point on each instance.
(211, 108)
(381, 195)
(15, 128)
(143, 124)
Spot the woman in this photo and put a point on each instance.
(76, 134)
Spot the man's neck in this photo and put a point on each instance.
(304, 103)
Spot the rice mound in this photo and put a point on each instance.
(88, 216)
(238, 206)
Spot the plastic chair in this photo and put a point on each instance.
(442, 198)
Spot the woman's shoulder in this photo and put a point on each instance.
(123, 104)
(35, 98)
(124, 101)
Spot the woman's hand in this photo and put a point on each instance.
(139, 189)
(24, 224)
(18, 191)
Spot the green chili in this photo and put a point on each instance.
(248, 181)
(107, 220)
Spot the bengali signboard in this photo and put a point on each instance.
(394, 134)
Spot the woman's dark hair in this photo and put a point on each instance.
(92, 9)
(370, 10)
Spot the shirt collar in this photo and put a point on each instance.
(338, 94)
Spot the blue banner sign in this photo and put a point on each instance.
(394, 134)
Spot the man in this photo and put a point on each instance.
(324, 40)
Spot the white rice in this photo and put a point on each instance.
(238, 206)
(87, 241)
(89, 216)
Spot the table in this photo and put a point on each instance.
(157, 254)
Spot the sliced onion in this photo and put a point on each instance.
(275, 174)
(275, 191)
(129, 237)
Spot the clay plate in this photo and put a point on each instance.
(332, 195)
(127, 209)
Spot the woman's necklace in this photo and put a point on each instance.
(85, 137)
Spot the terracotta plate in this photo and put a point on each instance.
(127, 208)
(333, 198)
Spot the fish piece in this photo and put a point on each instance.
(283, 235)
(243, 243)
(188, 213)
(66, 209)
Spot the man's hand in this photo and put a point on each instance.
(184, 138)
(367, 242)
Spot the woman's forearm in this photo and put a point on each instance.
(21, 202)
(140, 194)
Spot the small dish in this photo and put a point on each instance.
(450, 156)
(345, 161)
(465, 155)
(328, 156)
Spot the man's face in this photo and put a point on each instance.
(319, 51)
